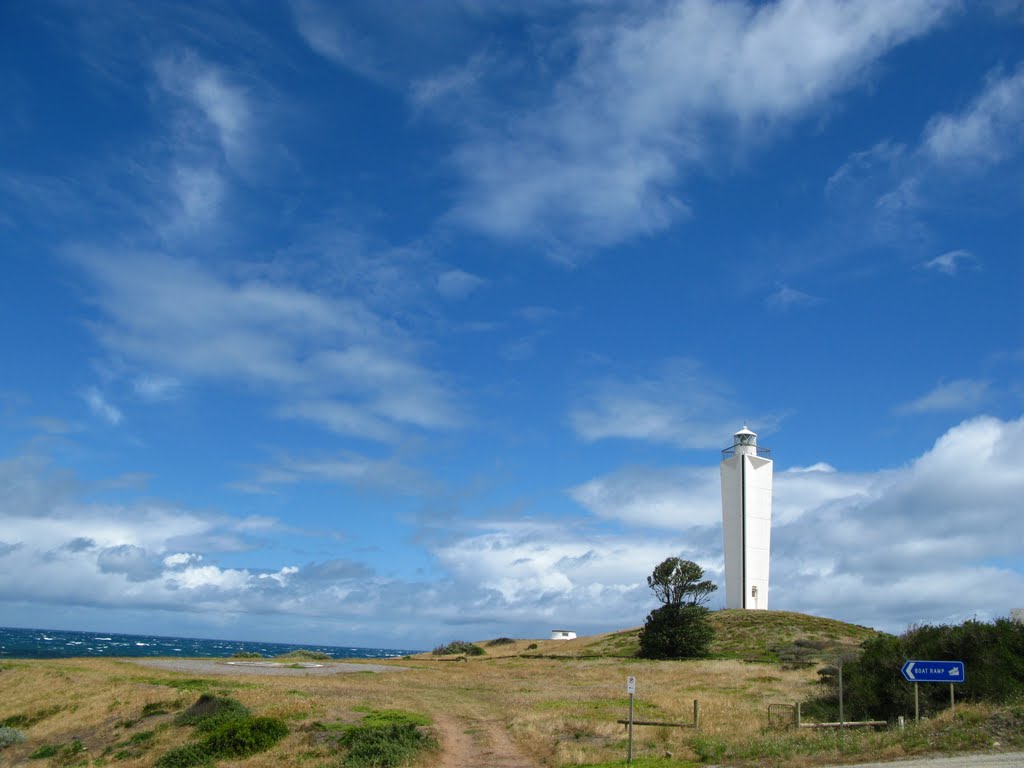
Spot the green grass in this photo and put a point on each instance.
(381, 717)
(237, 738)
(29, 719)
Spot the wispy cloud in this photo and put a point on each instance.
(218, 106)
(787, 297)
(678, 404)
(951, 262)
(101, 407)
(600, 157)
(326, 31)
(984, 133)
(457, 284)
(390, 476)
(956, 395)
(329, 358)
(893, 185)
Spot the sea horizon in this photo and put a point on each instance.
(37, 643)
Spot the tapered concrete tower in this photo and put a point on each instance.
(746, 521)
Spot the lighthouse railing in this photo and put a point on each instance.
(763, 452)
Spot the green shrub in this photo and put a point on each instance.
(993, 656)
(185, 756)
(386, 746)
(46, 750)
(501, 641)
(210, 711)
(234, 738)
(532, 647)
(240, 738)
(676, 632)
(303, 655)
(9, 736)
(461, 647)
(246, 655)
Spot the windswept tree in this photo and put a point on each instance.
(680, 582)
(679, 629)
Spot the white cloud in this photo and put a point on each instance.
(786, 298)
(956, 395)
(956, 158)
(671, 499)
(456, 284)
(986, 131)
(677, 403)
(936, 539)
(950, 262)
(223, 106)
(330, 357)
(325, 31)
(155, 388)
(388, 475)
(600, 157)
(101, 407)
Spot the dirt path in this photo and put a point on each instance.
(477, 743)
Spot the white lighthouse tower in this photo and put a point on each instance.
(746, 521)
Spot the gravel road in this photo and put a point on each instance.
(1001, 760)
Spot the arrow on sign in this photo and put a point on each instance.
(917, 671)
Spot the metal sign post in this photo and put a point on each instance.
(915, 672)
(631, 690)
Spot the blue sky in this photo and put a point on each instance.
(393, 323)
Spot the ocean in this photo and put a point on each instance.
(58, 644)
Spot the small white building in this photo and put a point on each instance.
(563, 634)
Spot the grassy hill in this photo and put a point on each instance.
(774, 636)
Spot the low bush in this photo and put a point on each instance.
(676, 632)
(44, 751)
(232, 739)
(459, 647)
(185, 756)
(388, 746)
(240, 738)
(304, 655)
(501, 641)
(9, 736)
(993, 656)
(247, 655)
(209, 712)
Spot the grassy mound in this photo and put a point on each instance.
(779, 636)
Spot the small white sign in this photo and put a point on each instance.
(630, 685)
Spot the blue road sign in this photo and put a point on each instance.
(934, 671)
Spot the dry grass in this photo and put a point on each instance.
(560, 711)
